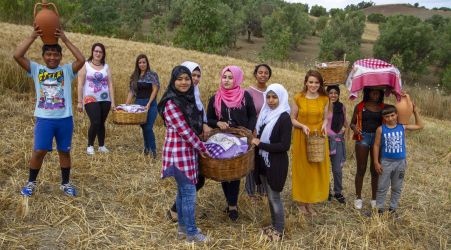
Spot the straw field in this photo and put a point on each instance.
(122, 200)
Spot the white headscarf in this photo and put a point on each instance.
(192, 66)
(270, 116)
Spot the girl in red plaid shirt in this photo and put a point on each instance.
(183, 121)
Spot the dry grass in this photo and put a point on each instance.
(122, 199)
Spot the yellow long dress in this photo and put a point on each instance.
(310, 180)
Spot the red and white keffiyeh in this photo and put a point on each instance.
(374, 73)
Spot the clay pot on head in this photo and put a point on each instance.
(48, 21)
(405, 109)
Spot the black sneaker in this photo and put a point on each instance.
(233, 214)
(340, 198)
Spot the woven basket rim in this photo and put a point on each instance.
(218, 130)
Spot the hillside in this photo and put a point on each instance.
(122, 201)
(404, 9)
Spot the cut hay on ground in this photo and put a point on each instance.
(122, 200)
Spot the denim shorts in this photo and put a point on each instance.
(46, 129)
(367, 139)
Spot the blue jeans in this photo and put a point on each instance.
(367, 139)
(186, 203)
(147, 128)
(275, 206)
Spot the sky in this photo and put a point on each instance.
(342, 3)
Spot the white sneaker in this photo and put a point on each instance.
(358, 204)
(103, 149)
(373, 203)
(90, 150)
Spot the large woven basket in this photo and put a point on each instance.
(125, 118)
(316, 148)
(233, 168)
(333, 72)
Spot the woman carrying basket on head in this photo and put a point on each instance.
(310, 180)
(96, 93)
(231, 106)
(273, 142)
(144, 86)
(183, 122)
(367, 117)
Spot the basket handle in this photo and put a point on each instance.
(344, 58)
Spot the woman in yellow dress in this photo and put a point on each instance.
(309, 115)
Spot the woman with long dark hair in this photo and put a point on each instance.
(144, 86)
(96, 93)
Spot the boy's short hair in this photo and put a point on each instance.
(47, 47)
(388, 109)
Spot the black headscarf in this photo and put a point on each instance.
(186, 102)
(338, 116)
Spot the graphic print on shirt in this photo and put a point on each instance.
(51, 90)
(393, 142)
(98, 83)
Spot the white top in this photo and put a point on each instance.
(96, 88)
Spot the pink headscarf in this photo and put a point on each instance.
(232, 98)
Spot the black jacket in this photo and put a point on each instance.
(246, 116)
(280, 142)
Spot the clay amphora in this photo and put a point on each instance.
(48, 21)
(405, 109)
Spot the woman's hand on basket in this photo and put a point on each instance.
(255, 141)
(206, 129)
(223, 125)
(306, 130)
(113, 106)
(204, 154)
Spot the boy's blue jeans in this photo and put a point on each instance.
(186, 204)
(147, 128)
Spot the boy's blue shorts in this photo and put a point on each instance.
(46, 128)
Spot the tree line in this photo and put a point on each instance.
(213, 26)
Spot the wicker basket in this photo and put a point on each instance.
(333, 72)
(232, 168)
(125, 118)
(315, 148)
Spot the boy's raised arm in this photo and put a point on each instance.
(80, 59)
(418, 121)
(19, 53)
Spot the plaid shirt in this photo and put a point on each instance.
(180, 144)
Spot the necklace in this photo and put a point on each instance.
(100, 64)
